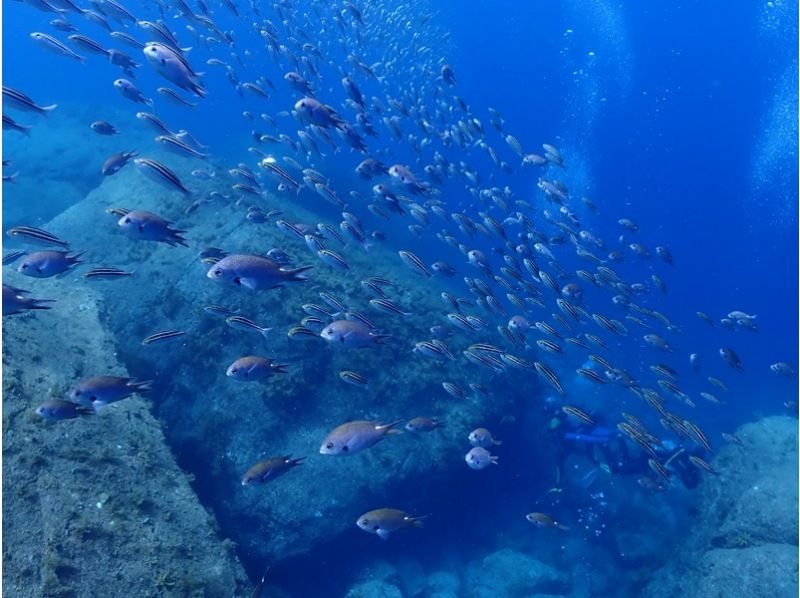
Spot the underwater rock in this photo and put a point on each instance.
(443, 583)
(94, 506)
(744, 535)
(374, 589)
(508, 574)
(219, 428)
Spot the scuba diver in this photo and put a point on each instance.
(610, 452)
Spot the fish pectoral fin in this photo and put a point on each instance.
(383, 534)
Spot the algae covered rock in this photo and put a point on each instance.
(94, 506)
(508, 573)
(374, 589)
(744, 533)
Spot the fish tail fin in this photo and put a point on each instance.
(497, 442)
(48, 109)
(417, 521)
(141, 386)
(40, 304)
(265, 333)
(296, 274)
(297, 461)
(562, 527)
(494, 459)
(391, 428)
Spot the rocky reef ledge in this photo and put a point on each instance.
(94, 506)
(744, 537)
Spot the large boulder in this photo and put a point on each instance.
(744, 533)
(511, 574)
(95, 506)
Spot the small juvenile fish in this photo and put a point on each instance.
(159, 337)
(107, 273)
(12, 257)
(253, 368)
(383, 522)
(269, 469)
(37, 236)
(544, 520)
(423, 424)
(57, 410)
(99, 391)
(702, 464)
(354, 378)
(579, 414)
(483, 438)
(479, 458)
(242, 323)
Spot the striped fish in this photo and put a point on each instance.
(373, 288)
(577, 342)
(591, 375)
(702, 464)
(432, 349)
(485, 359)
(515, 362)
(20, 101)
(602, 362)
(549, 346)
(313, 322)
(512, 336)
(328, 232)
(568, 309)
(88, 44)
(359, 317)
(313, 243)
(547, 329)
(454, 390)
(289, 228)
(485, 348)
(596, 340)
(387, 307)
(313, 309)
(659, 469)
(107, 273)
(36, 236)
(477, 322)
(579, 414)
(551, 377)
(159, 337)
(551, 282)
(279, 173)
(561, 320)
(12, 257)
(413, 262)
(176, 98)
(127, 39)
(332, 259)
(332, 301)
(180, 147)
(220, 310)
(461, 322)
(242, 323)
(300, 332)
(697, 435)
(354, 378)
(494, 306)
(156, 171)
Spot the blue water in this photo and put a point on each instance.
(679, 116)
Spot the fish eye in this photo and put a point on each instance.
(376, 527)
(345, 448)
(329, 445)
(127, 220)
(93, 398)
